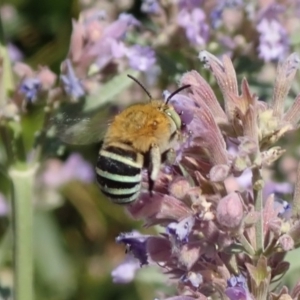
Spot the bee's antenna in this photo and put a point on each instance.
(134, 79)
(176, 92)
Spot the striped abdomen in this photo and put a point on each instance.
(119, 173)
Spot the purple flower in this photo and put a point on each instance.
(237, 288)
(30, 88)
(14, 53)
(190, 4)
(193, 22)
(129, 19)
(118, 48)
(71, 83)
(4, 208)
(183, 105)
(135, 244)
(273, 40)
(141, 57)
(125, 272)
(279, 188)
(75, 168)
(216, 13)
(150, 7)
(276, 187)
(182, 229)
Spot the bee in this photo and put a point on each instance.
(139, 137)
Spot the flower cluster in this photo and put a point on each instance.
(96, 44)
(224, 225)
(233, 25)
(218, 241)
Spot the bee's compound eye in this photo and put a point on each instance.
(174, 117)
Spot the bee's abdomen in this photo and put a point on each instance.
(119, 174)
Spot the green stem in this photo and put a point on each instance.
(7, 77)
(23, 177)
(259, 225)
(41, 138)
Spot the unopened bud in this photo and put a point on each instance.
(286, 242)
(219, 173)
(230, 211)
(179, 188)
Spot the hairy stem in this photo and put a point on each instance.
(296, 197)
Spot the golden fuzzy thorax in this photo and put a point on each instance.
(141, 126)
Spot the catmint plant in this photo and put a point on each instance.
(220, 227)
(216, 243)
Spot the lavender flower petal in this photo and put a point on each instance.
(71, 83)
(141, 57)
(125, 272)
(30, 88)
(182, 229)
(136, 244)
(183, 105)
(75, 168)
(196, 30)
(237, 288)
(14, 53)
(150, 7)
(274, 41)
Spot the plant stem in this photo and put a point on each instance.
(23, 177)
(257, 183)
(296, 197)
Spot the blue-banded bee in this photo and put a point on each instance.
(138, 138)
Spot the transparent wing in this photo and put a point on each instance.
(72, 126)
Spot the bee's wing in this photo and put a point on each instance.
(79, 129)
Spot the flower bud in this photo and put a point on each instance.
(230, 211)
(219, 173)
(286, 242)
(179, 188)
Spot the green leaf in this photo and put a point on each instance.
(109, 91)
(259, 273)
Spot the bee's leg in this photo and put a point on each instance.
(154, 166)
